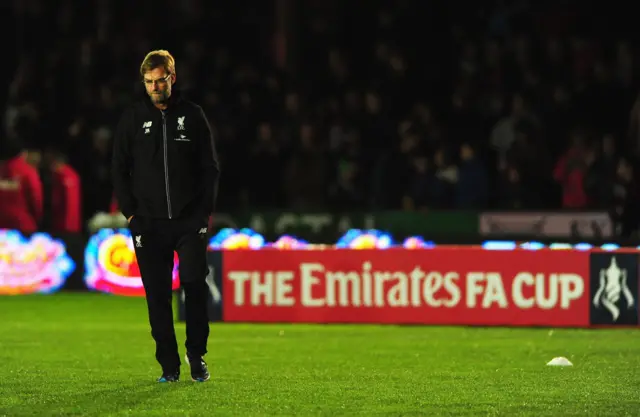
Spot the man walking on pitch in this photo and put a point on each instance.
(165, 174)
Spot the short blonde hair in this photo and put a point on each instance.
(157, 59)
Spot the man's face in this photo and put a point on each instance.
(158, 85)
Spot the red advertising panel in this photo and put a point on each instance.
(461, 286)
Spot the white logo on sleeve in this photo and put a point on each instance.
(138, 241)
(181, 123)
(613, 283)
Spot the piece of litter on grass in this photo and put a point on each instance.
(559, 361)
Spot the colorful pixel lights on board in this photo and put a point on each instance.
(236, 239)
(248, 239)
(230, 239)
(39, 264)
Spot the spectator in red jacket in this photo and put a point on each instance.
(570, 172)
(65, 200)
(20, 193)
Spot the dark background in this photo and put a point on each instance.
(350, 105)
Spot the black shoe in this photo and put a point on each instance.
(169, 377)
(199, 371)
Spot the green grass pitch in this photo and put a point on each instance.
(92, 355)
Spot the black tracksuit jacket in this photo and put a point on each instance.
(164, 163)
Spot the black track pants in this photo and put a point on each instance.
(155, 241)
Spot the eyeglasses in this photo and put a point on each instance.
(159, 81)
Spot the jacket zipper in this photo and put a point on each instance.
(166, 163)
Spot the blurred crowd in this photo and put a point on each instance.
(407, 104)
